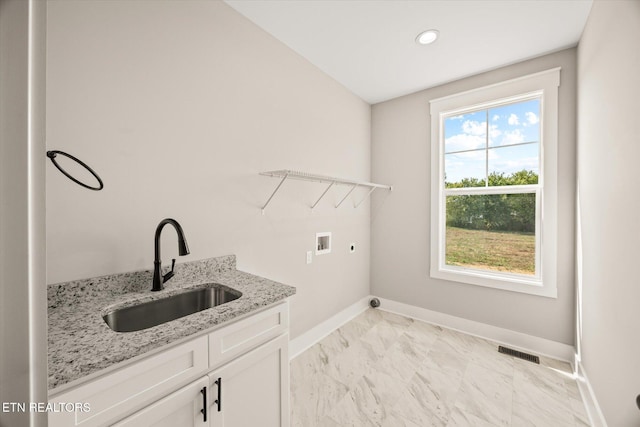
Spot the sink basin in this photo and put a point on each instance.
(153, 313)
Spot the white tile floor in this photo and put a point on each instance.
(381, 369)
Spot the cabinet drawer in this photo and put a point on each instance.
(183, 408)
(119, 393)
(239, 337)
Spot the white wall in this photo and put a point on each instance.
(608, 182)
(400, 222)
(23, 301)
(178, 106)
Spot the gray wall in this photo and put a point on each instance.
(608, 182)
(23, 327)
(400, 223)
(178, 106)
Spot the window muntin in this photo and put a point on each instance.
(497, 146)
(500, 140)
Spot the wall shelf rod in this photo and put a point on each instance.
(303, 176)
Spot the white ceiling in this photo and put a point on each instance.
(369, 46)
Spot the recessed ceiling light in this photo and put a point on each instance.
(427, 37)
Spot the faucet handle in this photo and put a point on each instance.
(169, 275)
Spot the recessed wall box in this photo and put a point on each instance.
(323, 243)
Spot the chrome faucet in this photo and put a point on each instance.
(183, 249)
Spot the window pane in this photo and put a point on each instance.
(465, 132)
(492, 232)
(514, 123)
(516, 165)
(466, 169)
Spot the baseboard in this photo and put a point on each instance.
(596, 417)
(315, 334)
(517, 340)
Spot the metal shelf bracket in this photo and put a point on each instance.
(303, 176)
(346, 195)
(366, 197)
(325, 192)
(286, 175)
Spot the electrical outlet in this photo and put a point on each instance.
(309, 257)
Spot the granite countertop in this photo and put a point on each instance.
(81, 343)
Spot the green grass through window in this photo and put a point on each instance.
(513, 252)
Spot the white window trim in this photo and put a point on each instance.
(547, 83)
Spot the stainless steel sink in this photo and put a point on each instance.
(153, 313)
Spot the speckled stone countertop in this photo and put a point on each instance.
(81, 343)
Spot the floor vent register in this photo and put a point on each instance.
(519, 354)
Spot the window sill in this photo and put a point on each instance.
(512, 283)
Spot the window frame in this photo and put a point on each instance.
(544, 84)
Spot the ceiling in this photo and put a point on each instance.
(369, 46)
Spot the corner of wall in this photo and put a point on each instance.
(596, 417)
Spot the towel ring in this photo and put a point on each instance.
(52, 155)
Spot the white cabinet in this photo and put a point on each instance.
(252, 390)
(164, 389)
(184, 408)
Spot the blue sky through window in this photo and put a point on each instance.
(511, 131)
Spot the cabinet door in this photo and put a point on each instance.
(253, 389)
(182, 408)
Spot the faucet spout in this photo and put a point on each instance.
(183, 249)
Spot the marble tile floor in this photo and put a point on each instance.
(382, 369)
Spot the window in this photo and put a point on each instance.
(493, 185)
